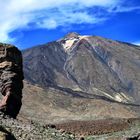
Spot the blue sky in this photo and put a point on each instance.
(27, 23)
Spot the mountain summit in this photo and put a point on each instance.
(70, 40)
(72, 35)
(86, 66)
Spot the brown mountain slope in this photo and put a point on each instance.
(49, 106)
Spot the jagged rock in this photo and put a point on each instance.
(11, 76)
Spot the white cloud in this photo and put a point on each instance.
(136, 43)
(120, 9)
(28, 14)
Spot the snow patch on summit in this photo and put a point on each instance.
(69, 42)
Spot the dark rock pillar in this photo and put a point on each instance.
(11, 79)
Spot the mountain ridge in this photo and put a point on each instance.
(86, 63)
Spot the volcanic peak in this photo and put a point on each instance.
(70, 40)
(72, 35)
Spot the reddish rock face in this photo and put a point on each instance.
(11, 76)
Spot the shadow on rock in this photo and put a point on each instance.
(5, 135)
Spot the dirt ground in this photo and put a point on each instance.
(96, 127)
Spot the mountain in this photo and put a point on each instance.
(78, 87)
(87, 67)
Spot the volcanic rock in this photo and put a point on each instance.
(11, 76)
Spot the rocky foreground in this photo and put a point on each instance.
(11, 129)
(125, 129)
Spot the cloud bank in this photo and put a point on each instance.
(137, 43)
(50, 14)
